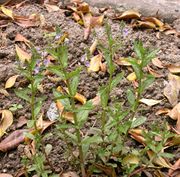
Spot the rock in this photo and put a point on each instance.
(166, 9)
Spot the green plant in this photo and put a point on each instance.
(15, 107)
(32, 72)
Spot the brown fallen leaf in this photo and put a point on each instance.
(21, 38)
(172, 32)
(95, 63)
(5, 121)
(142, 24)
(174, 113)
(4, 92)
(154, 20)
(175, 170)
(21, 121)
(83, 7)
(69, 174)
(162, 111)
(129, 14)
(162, 162)
(13, 140)
(11, 81)
(149, 102)
(154, 73)
(23, 56)
(157, 62)
(178, 123)
(96, 21)
(174, 68)
(5, 175)
(51, 8)
(171, 90)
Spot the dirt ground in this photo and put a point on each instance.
(169, 53)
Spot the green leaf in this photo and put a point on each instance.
(136, 67)
(30, 123)
(82, 117)
(63, 55)
(116, 80)
(37, 80)
(65, 101)
(56, 70)
(167, 155)
(149, 57)
(71, 136)
(131, 97)
(104, 96)
(38, 107)
(74, 84)
(23, 93)
(139, 49)
(138, 121)
(73, 73)
(147, 82)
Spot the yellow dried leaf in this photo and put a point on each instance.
(132, 77)
(174, 68)
(80, 98)
(6, 121)
(147, 24)
(149, 102)
(95, 63)
(23, 56)
(7, 12)
(69, 116)
(11, 81)
(154, 20)
(130, 159)
(93, 46)
(83, 7)
(122, 62)
(129, 14)
(96, 21)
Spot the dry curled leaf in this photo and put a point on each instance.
(122, 62)
(149, 102)
(174, 68)
(23, 56)
(5, 121)
(157, 62)
(95, 63)
(7, 12)
(93, 47)
(175, 112)
(4, 92)
(154, 73)
(11, 81)
(175, 170)
(80, 98)
(154, 20)
(171, 90)
(162, 111)
(141, 24)
(129, 14)
(83, 7)
(5, 175)
(69, 174)
(13, 140)
(21, 38)
(162, 162)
